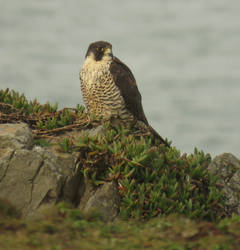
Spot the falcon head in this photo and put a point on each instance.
(100, 51)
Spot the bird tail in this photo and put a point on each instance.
(157, 136)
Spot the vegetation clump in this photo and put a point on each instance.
(153, 179)
(7, 210)
(43, 119)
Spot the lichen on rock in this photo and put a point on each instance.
(227, 167)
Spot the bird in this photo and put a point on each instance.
(109, 88)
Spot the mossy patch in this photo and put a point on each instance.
(63, 227)
(8, 210)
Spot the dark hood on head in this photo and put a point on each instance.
(97, 48)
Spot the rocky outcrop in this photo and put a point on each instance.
(227, 167)
(32, 177)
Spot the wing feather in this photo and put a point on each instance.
(126, 83)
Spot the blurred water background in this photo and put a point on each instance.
(184, 54)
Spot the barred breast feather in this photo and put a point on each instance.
(100, 93)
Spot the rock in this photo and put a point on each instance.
(5, 156)
(227, 167)
(33, 178)
(15, 136)
(105, 199)
(98, 131)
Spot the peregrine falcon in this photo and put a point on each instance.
(109, 88)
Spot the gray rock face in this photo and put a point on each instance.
(15, 136)
(227, 167)
(32, 178)
(106, 199)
